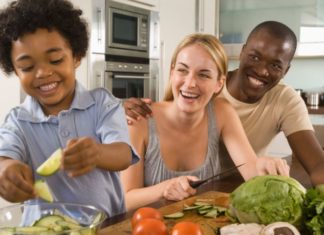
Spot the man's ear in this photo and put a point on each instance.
(287, 70)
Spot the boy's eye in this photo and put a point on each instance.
(57, 61)
(27, 69)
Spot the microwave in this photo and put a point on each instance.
(119, 29)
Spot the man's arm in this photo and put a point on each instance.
(309, 152)
(136, 108)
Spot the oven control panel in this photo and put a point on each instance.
(127, 67)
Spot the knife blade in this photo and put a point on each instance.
(195, 184)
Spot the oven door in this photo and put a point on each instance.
(126, 85)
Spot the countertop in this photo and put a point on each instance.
(315, 110)
(226, 185)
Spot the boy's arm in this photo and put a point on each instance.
(84, 154)
(16, 180)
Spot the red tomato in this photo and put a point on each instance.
(150, 226)
(186, 228)
(145, 212)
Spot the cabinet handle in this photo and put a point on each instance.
(99, 20)
(199, 16)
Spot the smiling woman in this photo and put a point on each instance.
(180, 143)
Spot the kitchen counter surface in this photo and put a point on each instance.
(226, 185)
(315, 110)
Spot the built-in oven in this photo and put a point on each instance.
(124, 77)
(127, 79)
(120, 29)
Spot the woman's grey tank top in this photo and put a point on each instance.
(155, 171)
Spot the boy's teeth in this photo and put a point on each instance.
(256, 81)
(48, 87)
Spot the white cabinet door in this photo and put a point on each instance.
(179, 18)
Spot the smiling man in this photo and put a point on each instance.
(264, 105)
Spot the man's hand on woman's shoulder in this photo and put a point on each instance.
(137, 108)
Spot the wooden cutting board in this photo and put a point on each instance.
(209, 225)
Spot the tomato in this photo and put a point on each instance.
(186, 228)
(150, 226)
(145, 212)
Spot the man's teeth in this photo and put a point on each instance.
(256, 81)
(188, 94)
(48, 87)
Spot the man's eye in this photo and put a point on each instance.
(276, 67)
(254, 57)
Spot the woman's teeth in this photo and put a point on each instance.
(189, 95)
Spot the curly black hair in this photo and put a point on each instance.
(26, 16)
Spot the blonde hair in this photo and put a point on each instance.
(212, 45)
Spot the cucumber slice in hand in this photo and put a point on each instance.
(51, 165)
(43, 191)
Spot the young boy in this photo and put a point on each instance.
(42, 42)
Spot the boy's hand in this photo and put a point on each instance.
(16, 181)
(136, 108)
(80, 156)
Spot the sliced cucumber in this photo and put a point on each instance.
(49, 221)
(43, 191)
(65, 217)
(175, 215)
(32, 229)
(67, 225)
(51, 165)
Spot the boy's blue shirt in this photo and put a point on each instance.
(30, 136)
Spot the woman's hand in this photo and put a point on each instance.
(272, 166)
(178, 188)
(80, 156)
(16, 181)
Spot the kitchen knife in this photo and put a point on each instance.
(195, 184)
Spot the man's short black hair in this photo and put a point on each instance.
(278, 30)
(26, 16)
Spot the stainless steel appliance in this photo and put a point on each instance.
(120, 29)
(122, 58)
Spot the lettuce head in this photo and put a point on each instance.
(267, 199)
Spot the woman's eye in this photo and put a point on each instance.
(181, 70)
(203, 75)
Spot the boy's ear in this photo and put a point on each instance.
(77, 62)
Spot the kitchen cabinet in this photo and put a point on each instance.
(305, 17)
(147, 4)
(179, 18)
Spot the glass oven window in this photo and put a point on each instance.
(126, 88)
(124, 29)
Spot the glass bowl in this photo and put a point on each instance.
(50, 219)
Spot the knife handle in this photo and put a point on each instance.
(195, 184)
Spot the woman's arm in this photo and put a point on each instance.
(239, 148)
(136, 195)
